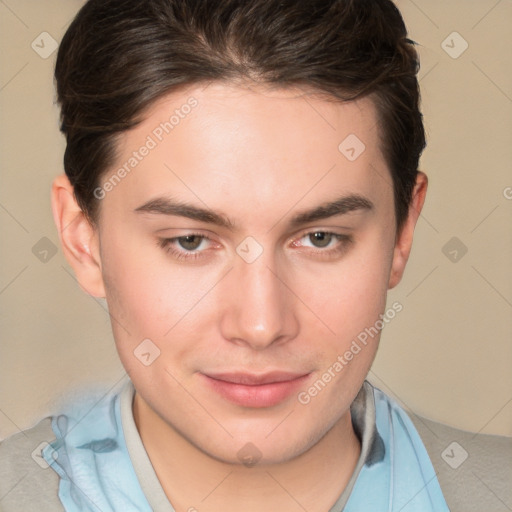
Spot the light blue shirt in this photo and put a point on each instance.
(100, 469)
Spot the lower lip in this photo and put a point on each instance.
(263, 395)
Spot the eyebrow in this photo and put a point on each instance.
(340, 206)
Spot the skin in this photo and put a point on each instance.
(258, 157)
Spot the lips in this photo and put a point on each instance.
(249, 379)
(255, 390)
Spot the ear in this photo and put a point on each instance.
(78, 238)
(403, 241)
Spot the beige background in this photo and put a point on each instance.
(447, 355)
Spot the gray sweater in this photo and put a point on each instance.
(474, 470)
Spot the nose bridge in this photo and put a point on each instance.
(260, 309)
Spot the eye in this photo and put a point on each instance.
(320, 238)
(194, 245)
(325, 243)
(190, 242)
(184, 247)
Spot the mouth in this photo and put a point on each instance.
(255, 390)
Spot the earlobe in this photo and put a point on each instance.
(78, 238)
(403, 242)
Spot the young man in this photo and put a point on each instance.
(242, 187)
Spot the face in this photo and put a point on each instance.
(246, 248)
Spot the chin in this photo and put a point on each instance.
(261, 449)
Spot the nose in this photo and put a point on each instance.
(259, 309)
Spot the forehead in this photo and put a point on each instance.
(219, 143)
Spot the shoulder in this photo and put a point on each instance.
(26, 481)
(474, 470)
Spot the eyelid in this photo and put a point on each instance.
(167, 240)
(328, 230)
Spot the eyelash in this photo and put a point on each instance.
(168, 243)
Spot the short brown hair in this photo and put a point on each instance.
(119, 56)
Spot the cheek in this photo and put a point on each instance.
(139, 288)
(146, 324)
(149, 297)
(350, 295)
(351, 300)
(138, 282)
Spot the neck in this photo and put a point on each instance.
(193, 481)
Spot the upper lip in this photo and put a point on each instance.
(252, 379)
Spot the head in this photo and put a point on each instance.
(242, 186)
